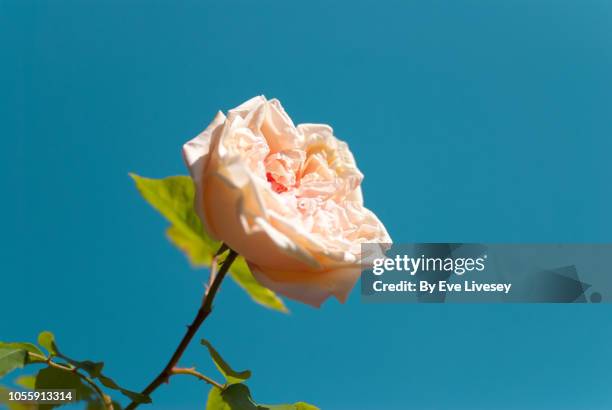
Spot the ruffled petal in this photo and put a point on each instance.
(312, 288)
(196, 154)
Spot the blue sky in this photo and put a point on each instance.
(472, 121)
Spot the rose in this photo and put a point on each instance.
(287, 198)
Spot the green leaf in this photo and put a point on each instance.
(93, 368)
(295, 406)
(174, 197)
(47, 340)
(52, 378)
(197, 250)
(28, 347)
(137, 397)
(238, 397)
(23, 345)
(241, 273)
(234, 397)
(27, 381)
(11, 358)
(232, 376)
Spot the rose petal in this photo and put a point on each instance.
(312, 288)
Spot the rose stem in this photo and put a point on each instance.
(203, 313)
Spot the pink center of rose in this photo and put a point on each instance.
(284, 169)
(276, 187)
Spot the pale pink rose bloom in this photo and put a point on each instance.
(287, 198)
